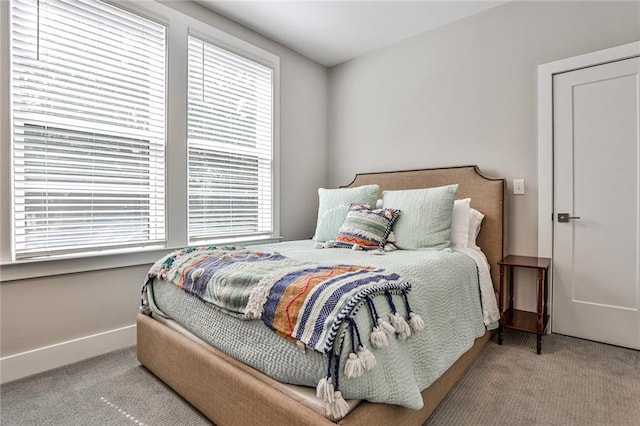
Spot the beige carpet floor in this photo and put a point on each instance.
(573, 382)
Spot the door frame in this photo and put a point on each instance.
(545, 136)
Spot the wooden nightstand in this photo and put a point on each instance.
(532, 322)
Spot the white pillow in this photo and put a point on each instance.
(475, 220)
(460, 223)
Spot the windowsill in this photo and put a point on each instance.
(61, 265)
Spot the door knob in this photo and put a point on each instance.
(564, 217)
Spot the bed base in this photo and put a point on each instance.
(222, 388)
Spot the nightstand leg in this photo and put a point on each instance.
(501, 305)
(545, 311)
(511, 284)
(540, 311)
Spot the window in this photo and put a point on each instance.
(230, 144)
(119, 150)
(88, 114)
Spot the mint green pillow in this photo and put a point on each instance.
(334, 204)
(425, 222)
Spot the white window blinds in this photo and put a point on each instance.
(88, 108)
(230, 144)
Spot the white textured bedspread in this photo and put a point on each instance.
(445, 292)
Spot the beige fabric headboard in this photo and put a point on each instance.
(488, 195)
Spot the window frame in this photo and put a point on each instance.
(179, 26)
(31, 117)
(206, 38)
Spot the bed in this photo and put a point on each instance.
(230, 392)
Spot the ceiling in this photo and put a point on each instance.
(332, 32)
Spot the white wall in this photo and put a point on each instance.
(39, 312)
(466, 94)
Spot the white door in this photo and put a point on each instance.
(596, 269)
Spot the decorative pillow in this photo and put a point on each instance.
(460, 223)
(426, 216)
(475, 220)
(365, 228)
(333, 205)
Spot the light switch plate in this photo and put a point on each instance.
(518, 186)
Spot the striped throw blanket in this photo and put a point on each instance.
(306, 302)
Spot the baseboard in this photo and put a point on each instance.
(24, 364)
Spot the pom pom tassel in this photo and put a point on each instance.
(379, 338)
(381, 328)
(320, 388)
(386, 327)
(366, 358)
(390, 247)
(325, 390)
(338, 408)
(416, 322)
(325, 245)
(401, 326)
(353, 367)
(334, 404)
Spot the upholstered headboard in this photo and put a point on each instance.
(488, 195)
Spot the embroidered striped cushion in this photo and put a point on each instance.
(366, 228)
